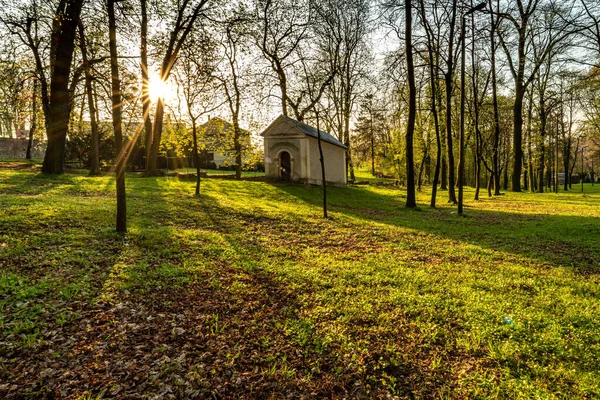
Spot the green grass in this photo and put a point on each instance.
(248, 292)
(363, 174)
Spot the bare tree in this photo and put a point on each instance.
(282, 26)
(195, 80)
(544, 33)
(320, 73)
(231, 79)
(188, 13)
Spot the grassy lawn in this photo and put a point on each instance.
(363, 174)
(247, 292)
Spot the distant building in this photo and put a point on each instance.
(17, 148)
(218, 141)
(292, 153)
(574, 178)
(22, 134)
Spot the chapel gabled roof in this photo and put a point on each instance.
(310, 131)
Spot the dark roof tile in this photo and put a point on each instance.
(311, 131)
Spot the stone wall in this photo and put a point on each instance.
(17, 148)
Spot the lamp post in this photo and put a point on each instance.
(461, 157)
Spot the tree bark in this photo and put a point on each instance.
(94, 153)
(116, 117)
(322, 160)
(449, 81)
(541, 145)
(145, 80)
(59, 111)
(461, 150)
(411, 201)
(34, 110)
(196, 154)
(517, 138)
(433, 82)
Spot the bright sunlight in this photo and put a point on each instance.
(159, 88)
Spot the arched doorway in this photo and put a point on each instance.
(285, 166)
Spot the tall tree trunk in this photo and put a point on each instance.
(34, 112)
(496, 140)
(556, 151)
(433, 82)
(283, 88)
(461, 150)
(444, 172)
(420, 175)
(478, 137)
(196, 155)
(517, 138)
(566, 157)
(443, 163)
(238, 147)
(322, 160)
(530, 170)
(347, 99)
(157, 127)
(411, 200)
(541, 146)
(145, 80)
(116, 116)
(94, 152)
(449, 80)
(59, 111)
(372, 147)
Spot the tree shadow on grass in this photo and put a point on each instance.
(555, 240)
(55, 268)
(169, 317)
(192, 312)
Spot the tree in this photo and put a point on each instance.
(232, 48)
(64, 26)
(494, 23)
(195, 79)
(544, 33)
(188, 12)
(34, 119)
(282, 26)
(323, 71)
(146, 102)
(89, 89)
(432, 48)
(352, 25)
(116, 119)
(411, 201)
(24, 22)
(370, 130)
